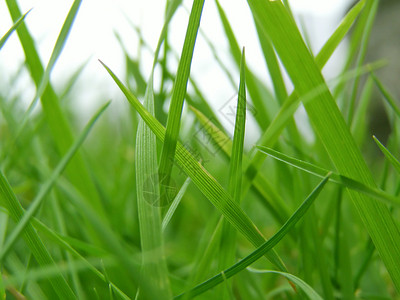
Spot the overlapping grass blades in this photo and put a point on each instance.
(12, 29)
(330, 126)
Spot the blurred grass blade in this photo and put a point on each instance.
(330, 127)
(174, 204)
(154, 268)
(38, 200)
(59, 46)
(203, 180)
(337, 178)
(35, 244)
(386, 95)
(58, 124)
(395, 163)
(178, 95)
(308, 290)
(11, 30)
(257, 254)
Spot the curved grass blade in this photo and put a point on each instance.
(336, 178)
(5, 37)
(178, 95)
(203, 180)
(308, 290)
(255, 255)
(395, 163)
(24, 220)
(35, 244)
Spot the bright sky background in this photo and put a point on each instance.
(92, 37)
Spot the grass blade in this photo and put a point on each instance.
(178, 95)
(395, 163)
(24, 221)
(254, 256)
(202, 179)
(330, 127)
(5, 37)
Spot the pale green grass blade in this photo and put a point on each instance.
(154, 268)
(35, 244)
(228, 241)
(335, 177)
(261, 116)
(202, 179)
(395, 163)
(257, 254)
(386, 95)
(59, 46)
(308, 290)
(23, 222)
(330, 127)
(178, 95)
(174, 205)
(59, 127)
(5, 37)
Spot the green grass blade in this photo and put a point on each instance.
(335, 177)
(178, 95)
(35, 244)
(395, 163)
(174, 204)
(154, 268)
(330, 127)
(59, 46)
(5, 37)
(386, 95)
(37, 201)
(308, 290)
(58, 125)
(257, 254)
(202, 179)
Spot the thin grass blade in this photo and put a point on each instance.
(5, 37)
(395, 163)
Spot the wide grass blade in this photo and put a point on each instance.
(178, 96)
(43, 192)
(330, 127)
(203, 180)
(154, 268)
(35, 244)
(257, 254)
(336, 178)
(12, 29)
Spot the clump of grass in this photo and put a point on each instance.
(154, 219)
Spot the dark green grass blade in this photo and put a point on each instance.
(257, 254)
(35, 244)
(59, 127)
(38, 200)
(202, 179)
(330, 127)
(4, 39)
(178, 95)
(337, 178)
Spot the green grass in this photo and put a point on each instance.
(148, 205)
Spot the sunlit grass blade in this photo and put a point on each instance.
(58, 124)
(154, 268)
(12, 29)
(174, 205)
(38, 200)
(308, 290)
(335, 177)
(203, 180)
(35, 244)
(257, 254)
(395, 163)
(178, 95)
(330, 127)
